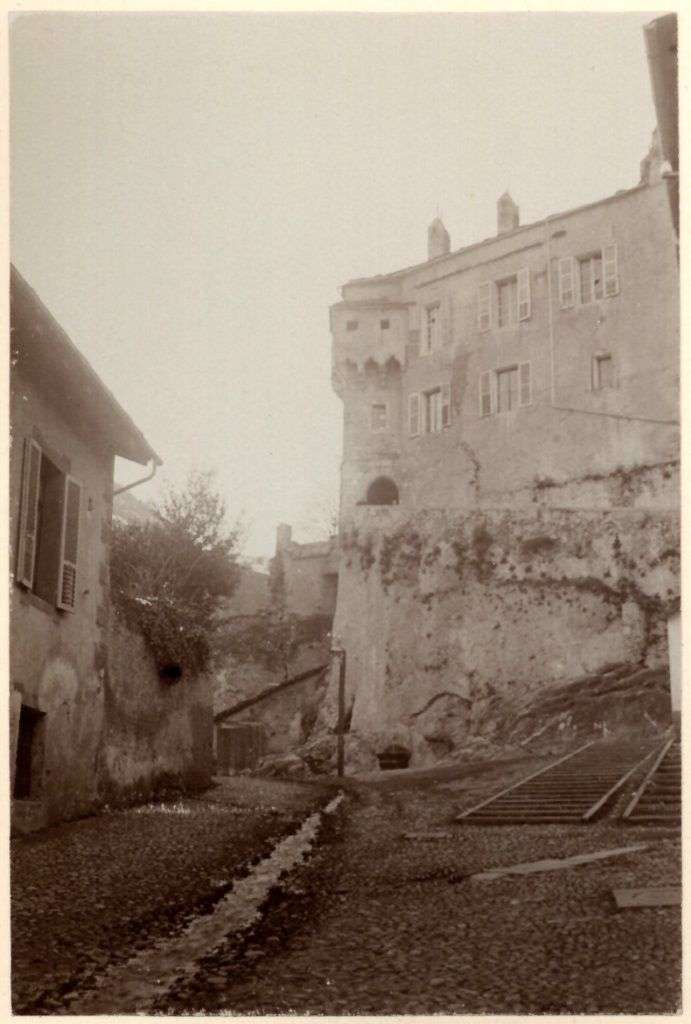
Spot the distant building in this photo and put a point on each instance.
(90, 720)
(310, 574)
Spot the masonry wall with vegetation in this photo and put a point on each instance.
(157, 733)
(442, 611)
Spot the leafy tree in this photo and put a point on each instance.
(167, 574)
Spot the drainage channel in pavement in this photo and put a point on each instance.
(134, 986)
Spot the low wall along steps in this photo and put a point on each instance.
(578, 788)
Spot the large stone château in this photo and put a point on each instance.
(516, 400)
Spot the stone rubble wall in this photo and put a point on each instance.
(442, 611)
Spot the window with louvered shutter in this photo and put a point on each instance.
(446, 405)
(524, 294)
(484, 306)
(414, 414)
(28, 523)
(610, 269)
(566, 283)
(486, 393)
(67, 582)
(525, 394)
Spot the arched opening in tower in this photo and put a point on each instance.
(382, 491)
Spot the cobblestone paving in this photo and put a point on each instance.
(378, 924)
(93, 892)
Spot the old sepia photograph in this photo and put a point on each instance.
(344, 513)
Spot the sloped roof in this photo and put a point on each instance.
(45, 353)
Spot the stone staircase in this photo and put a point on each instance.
(658, 800)
(575, 789)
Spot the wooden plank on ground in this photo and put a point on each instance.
(556, 865)
(663, 896)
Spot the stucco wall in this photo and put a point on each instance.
(466, 605)
(306, 581)
(56, 657)
(156, 733)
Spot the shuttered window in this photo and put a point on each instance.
(446, 405)
(433, 328)
(414, 414)
(507, 304)
(28, 518)
(48, 541)
(432, 418)
(525, 393)
(610, 269)
(486, 393)
(524, 294)
(484, 306)
(566, 282)
(67, 582)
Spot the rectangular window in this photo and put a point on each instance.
(507, 302)
(432, 328)
(566, 283)
(378, 420)
(524, 294)
(507, 389)
(610, 270)
(486, 393)
(484, 306)
(384, 325)
(352, 325)
(446, 405)
(414, 414)
(432, 417)
(525, 394)
(590, 273)
(603, 372)
(48, 529)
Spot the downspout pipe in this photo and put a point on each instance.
(136, 483)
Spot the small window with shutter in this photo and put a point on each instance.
(414, 414)
(524, 385)
(48, 529)
(446, 405)
(610, 270)
(524, 294)
(29, 513)
(484, 306)
(486, 393)
(67, 581)
(566, 283)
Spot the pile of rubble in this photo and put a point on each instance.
(545, 722)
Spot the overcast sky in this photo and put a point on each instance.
(190, 191)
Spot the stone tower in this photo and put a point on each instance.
(368, 353)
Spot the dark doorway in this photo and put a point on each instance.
(29, 753)
(382, 491)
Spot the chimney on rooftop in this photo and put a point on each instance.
(507, 214)
(438, 240)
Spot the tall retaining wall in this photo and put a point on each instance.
(440, 611)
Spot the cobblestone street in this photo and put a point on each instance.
(382, 918)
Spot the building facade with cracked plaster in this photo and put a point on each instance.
(90, 720)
